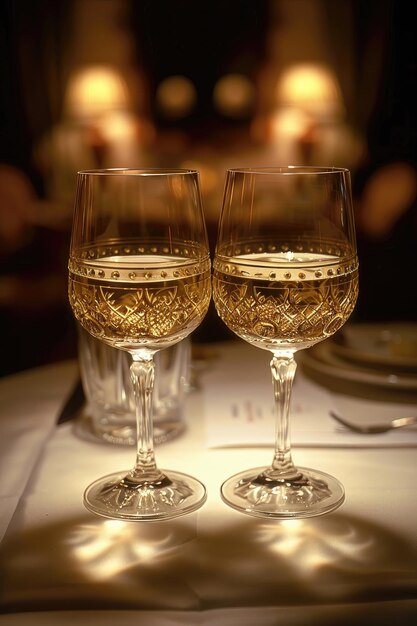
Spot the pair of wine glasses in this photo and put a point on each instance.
(285, 276)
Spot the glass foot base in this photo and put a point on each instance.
(263, 493)
(122, 496)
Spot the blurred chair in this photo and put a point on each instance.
(388, 194)
(386, 221)
(33, 281)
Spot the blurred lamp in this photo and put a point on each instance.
(94, 91)
(313, 88)
(234, 95)
(289, 122)
(119, 126)
(176, 96)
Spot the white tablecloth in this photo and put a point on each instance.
(60, 564)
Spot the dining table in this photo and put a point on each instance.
(61, 564)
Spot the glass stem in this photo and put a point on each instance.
(283, 368)
(142, 372)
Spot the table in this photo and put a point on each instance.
(62, 565)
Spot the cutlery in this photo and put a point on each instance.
(382, 427)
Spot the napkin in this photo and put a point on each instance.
(239, 407)
(29, 405)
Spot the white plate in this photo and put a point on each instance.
(323, 360)
(391, 346)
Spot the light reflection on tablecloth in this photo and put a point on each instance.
(217, 566)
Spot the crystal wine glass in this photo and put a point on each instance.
(139, 280)
(285, 277)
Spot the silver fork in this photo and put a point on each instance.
(399, 422)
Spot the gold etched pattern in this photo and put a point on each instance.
(136, 293)
(141, 313)
(285, 312)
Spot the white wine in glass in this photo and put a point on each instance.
(139, 280)
(285, 277)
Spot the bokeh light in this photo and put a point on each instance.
(234, 95)
(176, 96)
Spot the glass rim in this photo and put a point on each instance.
(131, 171)
(288, 170)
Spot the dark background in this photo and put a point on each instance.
(202, 40)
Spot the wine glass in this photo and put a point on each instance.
(139, 280)
(285, 276)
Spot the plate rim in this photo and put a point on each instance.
(372, 358)
(333, 366)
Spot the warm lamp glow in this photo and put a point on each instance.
(208, 173)
(311, 87)
(289, 122)
(94, 91)
(176, 96)
(119, 126)
(234, 95)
